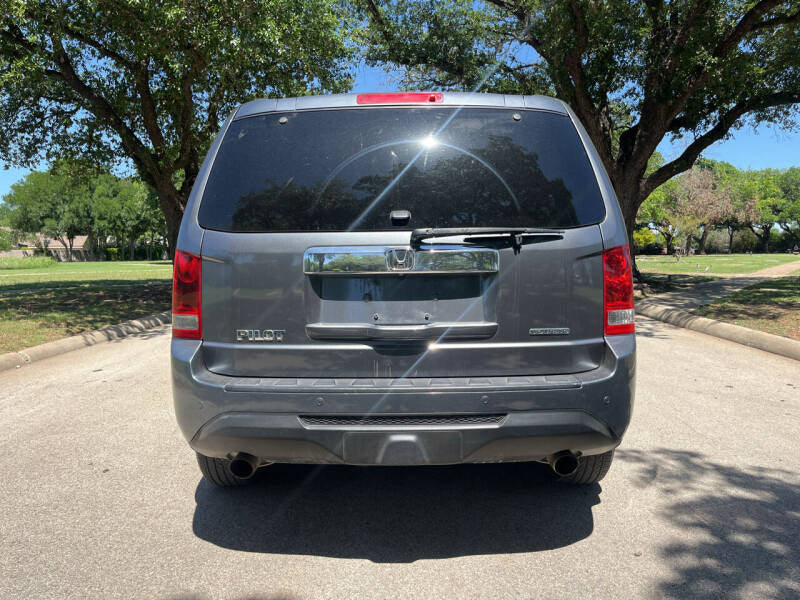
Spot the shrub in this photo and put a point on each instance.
(717, 242)
(745, 241)
(646, 242)
(112, 253)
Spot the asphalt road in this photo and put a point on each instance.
(101, 498)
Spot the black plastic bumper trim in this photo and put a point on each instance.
(531, 435)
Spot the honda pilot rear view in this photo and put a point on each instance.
(403, 279)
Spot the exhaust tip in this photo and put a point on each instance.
(243, 465)
(564, 463)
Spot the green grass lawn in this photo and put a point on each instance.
(772, 306)
(718, 264)
(59, 274)
(60, 299)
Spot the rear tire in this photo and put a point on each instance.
(216, 471)
(591, 469)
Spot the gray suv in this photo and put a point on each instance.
(403, 279)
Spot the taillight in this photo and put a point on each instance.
(401, 98)
(186, 318)
(617, 291)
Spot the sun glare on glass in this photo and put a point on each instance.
(429, 142)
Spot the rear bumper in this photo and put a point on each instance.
(535, 416)
(520, 436)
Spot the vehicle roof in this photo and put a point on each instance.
(267, 105)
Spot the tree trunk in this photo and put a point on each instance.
(131, 246)
(630, 226)
(669, 240)
(731, 231)
(63, 241)
(701, 242)
(629, 214)
(173, 203)
(763, 237)
(71, 242)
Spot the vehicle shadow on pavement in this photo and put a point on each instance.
(397, 514)
(735, 531)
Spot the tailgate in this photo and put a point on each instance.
(364, 304)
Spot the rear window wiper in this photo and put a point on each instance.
(516, 233)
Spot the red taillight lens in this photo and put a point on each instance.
(186, 318)
(617, 291)
(401, 98)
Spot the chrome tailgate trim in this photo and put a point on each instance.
(381, 260)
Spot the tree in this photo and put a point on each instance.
(5, 214)
(5, 239)
(153, 224)
(661, 211)
(705, 200)
(740, 211)
(5, 234)
(761, 188)
(8, 237)
(682, 206)
(789, 217)
(124, 209)
(645, 241)
(49, 203)
(149, 82)
(634, 72)
(135, 215)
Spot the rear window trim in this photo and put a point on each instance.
(395, 106)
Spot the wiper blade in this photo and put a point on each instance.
(516, 233)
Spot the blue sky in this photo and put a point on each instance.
(766, 146)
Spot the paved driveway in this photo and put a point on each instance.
(101, 498)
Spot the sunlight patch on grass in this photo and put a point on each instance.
(772, 306)
(71, 274)
(27, 262)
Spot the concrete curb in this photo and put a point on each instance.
(13, 360)
(741, 335)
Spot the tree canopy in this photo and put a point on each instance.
(150, 82)
(635, 73)
(717, 195)
(67, 201)
(48, 203)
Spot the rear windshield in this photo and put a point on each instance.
(348, 169)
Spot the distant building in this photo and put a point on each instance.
(31, 243)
